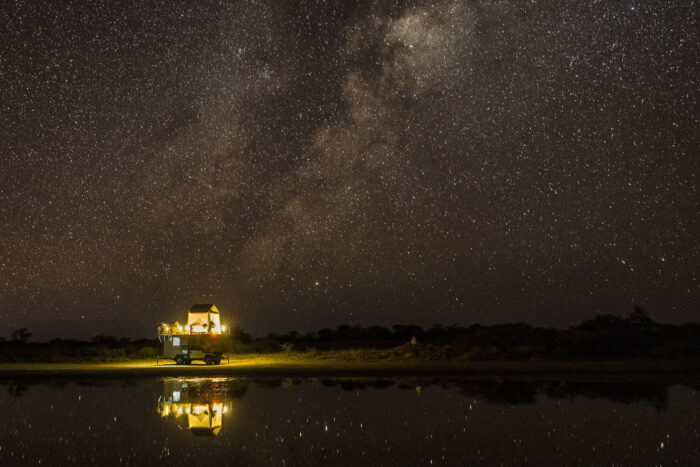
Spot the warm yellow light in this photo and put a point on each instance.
(179, 329)
(223, 328)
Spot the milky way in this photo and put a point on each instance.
(307, 164)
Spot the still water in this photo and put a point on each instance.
(309, 422)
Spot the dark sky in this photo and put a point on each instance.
(305, 164)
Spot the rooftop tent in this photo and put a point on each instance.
(204, 319)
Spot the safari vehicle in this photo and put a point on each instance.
(202, 338)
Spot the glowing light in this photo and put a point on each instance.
(200, 415)
(223, 328)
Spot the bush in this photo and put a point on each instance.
(265, 346)
(144, 353)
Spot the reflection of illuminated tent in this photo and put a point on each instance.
(200, 400)
(204, 319)
(205, 419)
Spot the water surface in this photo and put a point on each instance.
(240, 421)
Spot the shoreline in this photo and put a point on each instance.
(297, 367)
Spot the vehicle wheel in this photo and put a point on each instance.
(188, 362)
(179, 360)
(217, 361)
(208, 360)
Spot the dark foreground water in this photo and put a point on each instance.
(308, 422)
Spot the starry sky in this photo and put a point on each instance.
(306, 164)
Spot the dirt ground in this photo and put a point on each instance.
(320, 365)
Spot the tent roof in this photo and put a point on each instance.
(204, 308)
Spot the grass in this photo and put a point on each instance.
(350, 363)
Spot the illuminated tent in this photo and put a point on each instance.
(204, 319)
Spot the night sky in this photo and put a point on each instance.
(305, 164)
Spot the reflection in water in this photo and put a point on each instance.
(196, 400)
(202, 401)
(200, 390)
(348, 421)
(520, 391)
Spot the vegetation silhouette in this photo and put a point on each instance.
(605, 337)
(21, 335)
(600, 338)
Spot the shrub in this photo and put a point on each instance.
(144, 353)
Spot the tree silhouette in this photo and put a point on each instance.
(21, 335)
(640, 317)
